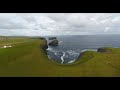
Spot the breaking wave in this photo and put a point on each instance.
(68, 56)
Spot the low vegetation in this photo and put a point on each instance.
(13, 40)
(28, 59)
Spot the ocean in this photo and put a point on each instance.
(70, 46)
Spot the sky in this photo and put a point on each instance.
(40, 24)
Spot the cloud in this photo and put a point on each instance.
(106, 29)
(59, 23)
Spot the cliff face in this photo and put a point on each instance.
(86, 55)
(44, 46)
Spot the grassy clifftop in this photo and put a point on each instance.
(29, 59)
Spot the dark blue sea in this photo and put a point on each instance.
(70, 46)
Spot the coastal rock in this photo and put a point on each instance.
(105, 50)
(101, 50)
(81, 54)
(45, 46)
(51, 38)
(54, 42)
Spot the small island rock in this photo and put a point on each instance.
(51, 38)
(54, 42)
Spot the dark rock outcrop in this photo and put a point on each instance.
(51, 38)
(53, 43)
(42, 38)
(102, 50)
(81, 54)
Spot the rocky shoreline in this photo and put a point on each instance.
(100, 50)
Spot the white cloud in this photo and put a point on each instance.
(58, 23)
(106, 29)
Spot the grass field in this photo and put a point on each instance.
(28, 59)
(13, 40)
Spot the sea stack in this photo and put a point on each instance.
(51, 38)
(53, 42)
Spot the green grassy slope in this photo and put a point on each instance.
(10, 41)
(29, 59)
